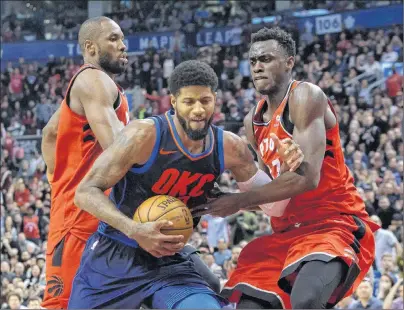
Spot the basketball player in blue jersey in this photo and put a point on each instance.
(178, 154)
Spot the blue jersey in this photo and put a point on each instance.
(171, 170)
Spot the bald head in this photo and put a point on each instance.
(376, 219)
(91, 29)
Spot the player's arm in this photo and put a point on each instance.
(308, 105)
(249, 131)
(239, 160)
(48, 145)
(132, 146)
(97, 92)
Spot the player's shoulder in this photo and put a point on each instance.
(141, 129)
(231, 138)
(307, 99)
(306, 90)
(93, 81)
(138, 137)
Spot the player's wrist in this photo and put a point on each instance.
(130, 228)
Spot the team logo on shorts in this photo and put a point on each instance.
(55, 286)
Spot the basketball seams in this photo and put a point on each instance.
(179, 217)
(181, 206)
(148, 212)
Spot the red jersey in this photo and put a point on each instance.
(76, 150)
(394, 84)
(335, 194)
(31, 227)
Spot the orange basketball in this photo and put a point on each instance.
(163, 207)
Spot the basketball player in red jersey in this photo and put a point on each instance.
(322, 245)
(93, 112)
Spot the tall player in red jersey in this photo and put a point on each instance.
(93, 112)
(322, 245)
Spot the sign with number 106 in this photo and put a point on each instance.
(328, 24)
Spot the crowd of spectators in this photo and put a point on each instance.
(58, 20)
(370, 126)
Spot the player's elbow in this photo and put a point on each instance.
(49, 131)
(312, 182)
(308, 178)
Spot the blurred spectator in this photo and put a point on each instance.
(231, 263)
(365, 300)
(215, 268)
(217, 231)
(243, 224)
(394, 298)
(34, 303)
(386, 243)
(394, 84)
(223, 253)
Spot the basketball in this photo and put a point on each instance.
(163, 207)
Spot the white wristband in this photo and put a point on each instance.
(259, 179)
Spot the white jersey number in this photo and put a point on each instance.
(268, 145)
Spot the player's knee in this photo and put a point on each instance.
(309, 297)
(198, 301)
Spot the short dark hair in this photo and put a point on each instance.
(90, 29)
(282, 37)
(192, 73)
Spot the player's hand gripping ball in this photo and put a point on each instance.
(163, 207)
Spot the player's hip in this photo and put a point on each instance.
(309, 237)
(300, 216)
(82, 230)
(110, 269)
(125, 261)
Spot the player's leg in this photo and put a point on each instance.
(249, 302)
(202, 268)
(343, 245)
(254, 283)
(113, 275)
(61, 266)
(198, 301)
(186, 297)
(315, 283)
(54, 283)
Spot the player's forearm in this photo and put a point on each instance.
(94, 201)
(286, 186)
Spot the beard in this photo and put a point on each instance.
(194, 134)
(109, 65)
